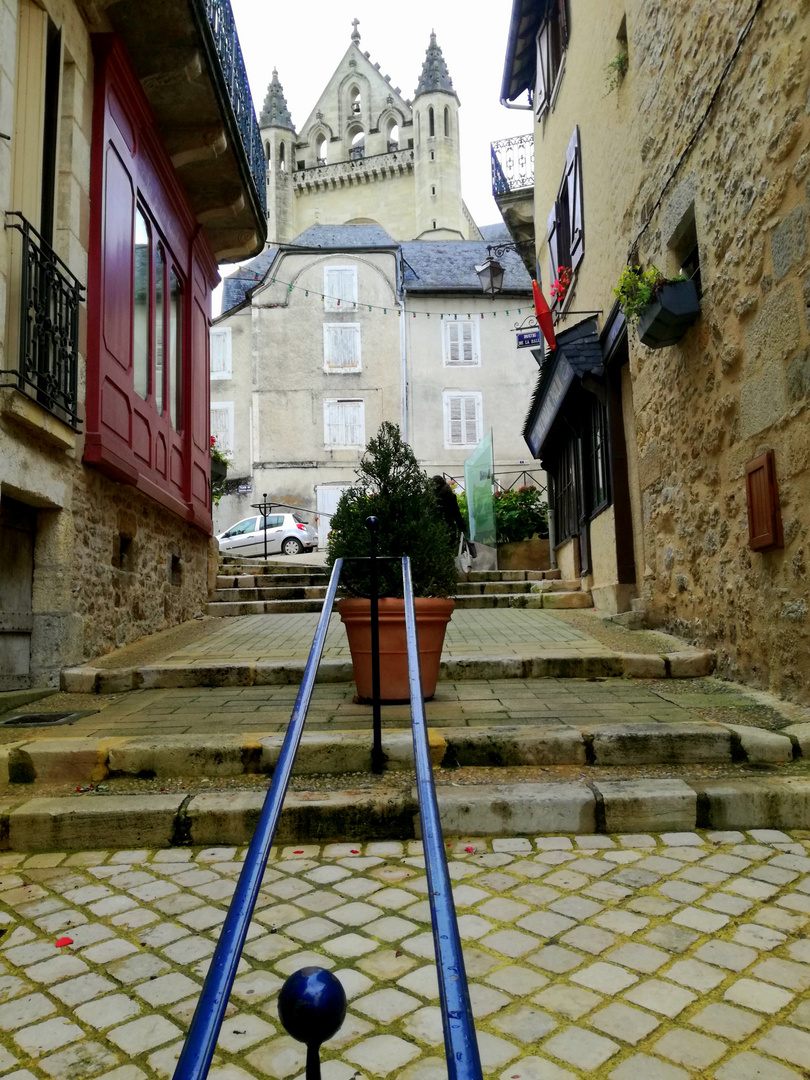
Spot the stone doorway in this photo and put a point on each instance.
(17, 532)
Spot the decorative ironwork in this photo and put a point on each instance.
(220, 19)
(512, 164)
(50, 295)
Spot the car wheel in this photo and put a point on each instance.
(291, 546)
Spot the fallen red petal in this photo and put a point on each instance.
(355, 851)
(301, 852)
(60, 941)
(471, 850)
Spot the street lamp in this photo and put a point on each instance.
(491, 272)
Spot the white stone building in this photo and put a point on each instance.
(367, 307)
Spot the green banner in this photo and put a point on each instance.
(479, 474)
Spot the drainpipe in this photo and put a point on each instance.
(404, 355)
(552, 527)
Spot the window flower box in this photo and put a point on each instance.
(673, 309)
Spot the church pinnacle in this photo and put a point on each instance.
(435, 75)
(275, 112)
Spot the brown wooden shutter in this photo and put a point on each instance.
(562, 15)
(764, 516)
(552, 237)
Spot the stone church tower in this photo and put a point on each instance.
(366, 155)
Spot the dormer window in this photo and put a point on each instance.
(552, 40)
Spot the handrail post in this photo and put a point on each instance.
(377, 758)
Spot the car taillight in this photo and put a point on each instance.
(301, 527)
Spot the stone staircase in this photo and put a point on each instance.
(250, 588)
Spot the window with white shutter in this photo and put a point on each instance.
(461, 343)
(340, 288)
(341, 347)
(221, 364)
(463, 419)
(222, 425)
(344, 424)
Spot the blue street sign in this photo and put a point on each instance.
(529, 339)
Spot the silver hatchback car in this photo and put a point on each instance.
(288, 534)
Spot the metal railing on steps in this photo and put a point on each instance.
(461, 1047)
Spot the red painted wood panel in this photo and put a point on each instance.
(128, 437)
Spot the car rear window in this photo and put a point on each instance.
(300, 520)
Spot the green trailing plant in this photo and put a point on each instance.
(391, 487)
(218, 486)
(617, 69)
(636, 288)
(519, 514)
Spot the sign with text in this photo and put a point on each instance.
(529, 339)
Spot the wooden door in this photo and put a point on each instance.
(17, 527)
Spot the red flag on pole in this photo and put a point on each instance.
(544, 317)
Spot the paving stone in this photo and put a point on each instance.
(48, 1036)
(384, 964)
(108, 1011)
(516, 980)
(84, 988)
(673, 938)
(758, 995)
(706, 921)
(726, 1021)
(726, 955)
(424, 981)
(525, 1024)
(661, 997)
(425, 1025)
(135, 969)
(556, 959)
(624, 1023)
(748, 1066)
(545, 924)
(80, 1060)
(581, 1048)
(759, 937)
(24, 1010)
(644, 1067)
(279, 1058)
(571, 1001)
(784, 973)
(534, 1068)
(689, 1048)
(512, 943)
(387, 1004)
(589, 939)
(379, 1055)
(786, 1043)
(495, 1052)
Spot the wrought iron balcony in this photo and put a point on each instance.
(220, 19)
(512, 164)
(50, 295)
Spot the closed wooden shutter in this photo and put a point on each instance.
(543, 84)
(220, 352)
(462, 419)
(341, 346)
(222, 425)
(460, 344)
(573, 180)
(552, 237)
(344, 422)
(340, 288)
(764, 515)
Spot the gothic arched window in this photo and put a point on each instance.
(431, 123)
(446, 121)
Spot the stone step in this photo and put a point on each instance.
(549, 600)
(493, 588)
(248, 595)
(560, 664)
(590, 746)
(251, 581)
(229, 609)
(378, 812)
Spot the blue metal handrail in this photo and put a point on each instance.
(203, 1032)
(460, 1044)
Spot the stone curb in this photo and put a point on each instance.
(554, 665)
(333, 753)
(136, 821)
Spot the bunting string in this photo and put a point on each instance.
(361, 305)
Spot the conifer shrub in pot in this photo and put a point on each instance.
(391, 487)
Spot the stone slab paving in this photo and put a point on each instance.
(478, 703)
(503, 632)
(627, 957)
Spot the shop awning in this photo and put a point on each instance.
(578, 354)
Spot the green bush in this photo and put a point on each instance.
(392, 488)
(519, 514)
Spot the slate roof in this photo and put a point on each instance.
(344, 236)
(435, 75)
(580, 347)
(498, 231)
(236, 285)
(450, 264)
(275, 112)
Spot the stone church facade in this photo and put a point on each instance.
(365, 306)
(691, 132)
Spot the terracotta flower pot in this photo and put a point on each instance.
(432, 617)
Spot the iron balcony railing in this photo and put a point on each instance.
(512, 164)
(50, 295)
(461, 1047)
(219, 18)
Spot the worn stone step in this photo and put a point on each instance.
(377, 812)
(494, 588)
(229, 609)
(688, 664)
(565, 600)
(249, 595)
(252, 581)
(594, 745)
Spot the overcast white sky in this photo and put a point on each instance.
(306, 41)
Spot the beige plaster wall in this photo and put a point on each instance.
(389, 201)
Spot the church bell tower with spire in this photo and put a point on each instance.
(278, 140)
(437, 161)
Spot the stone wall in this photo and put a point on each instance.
(739, 382)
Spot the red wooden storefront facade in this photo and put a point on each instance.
(150, 277)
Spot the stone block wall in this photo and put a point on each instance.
(728, 136)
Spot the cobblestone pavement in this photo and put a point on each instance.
(475, 703)
(627, 958)
(504, 632)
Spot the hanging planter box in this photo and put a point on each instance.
(673, 309)
(219, 470)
